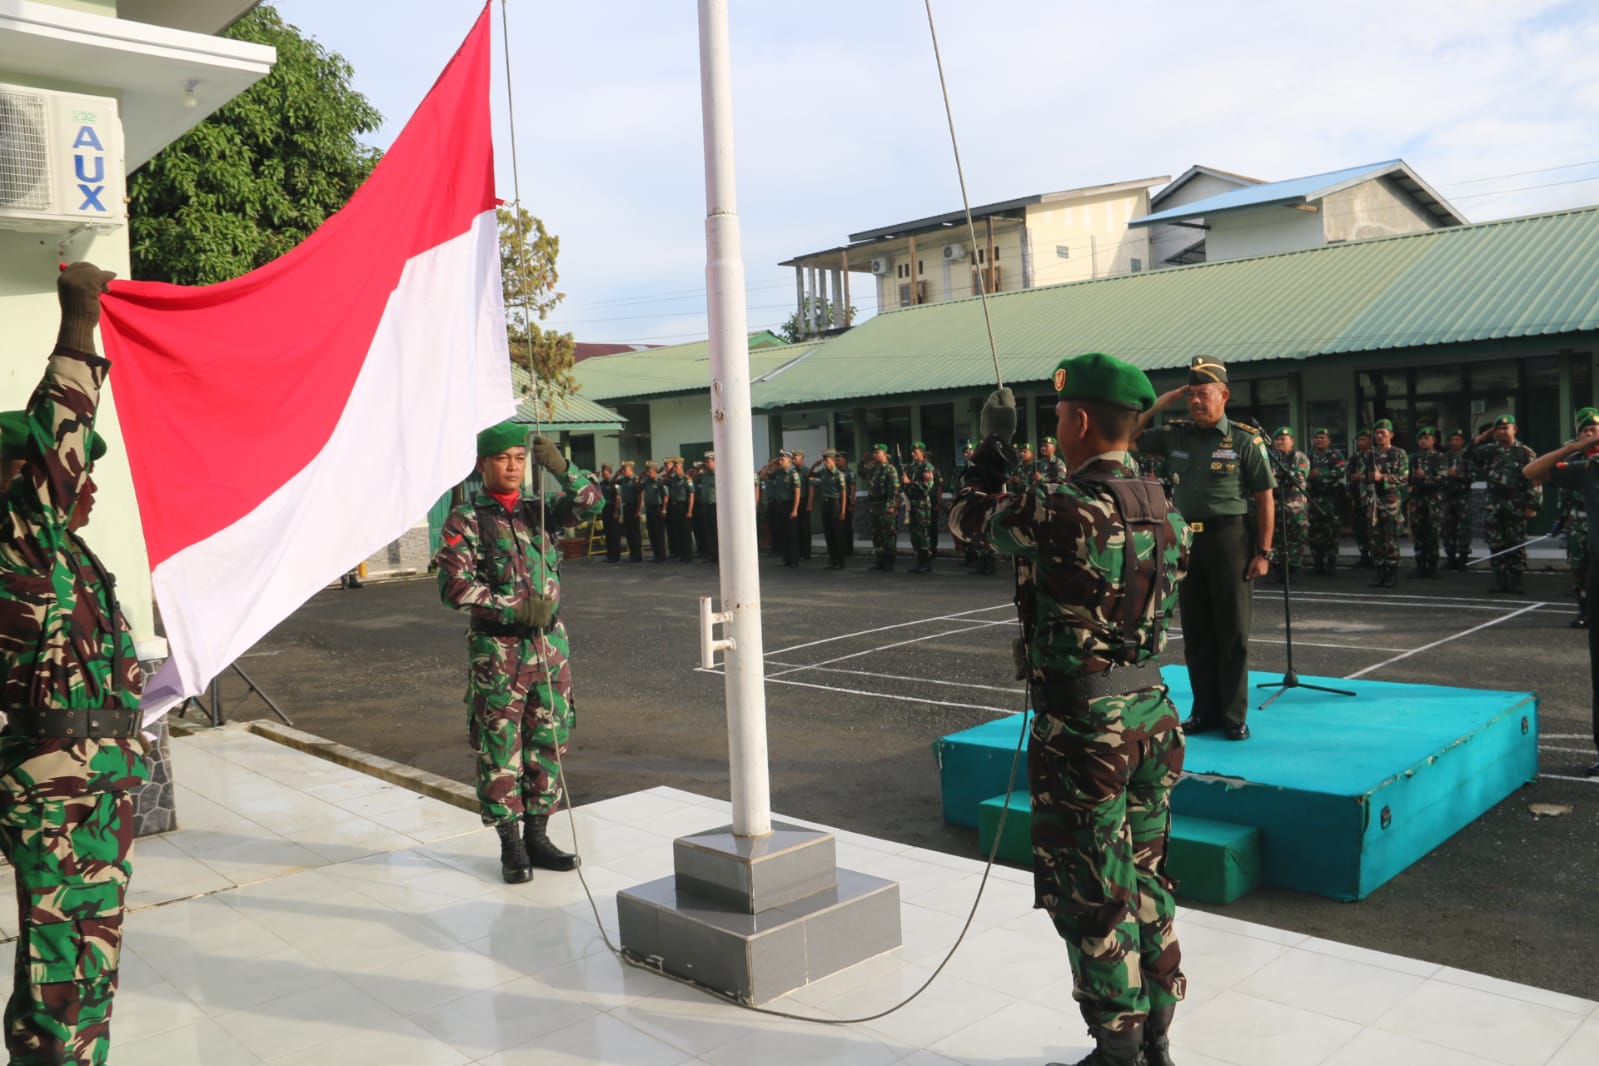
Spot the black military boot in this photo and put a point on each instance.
(924, 565)
(888, 562)
(1377, 579)
(1390, 576)
(880, 564)
(515, 866)
(1365, 562)
(1501, 582)
(542, 850)
(1515, 583)
(1581, 621)
(1115, 1049)
(1157, 1048)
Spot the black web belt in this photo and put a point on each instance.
(80, 724)
(1055, 691)
(506, 629)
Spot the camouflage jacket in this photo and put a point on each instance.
(1427, 470)
(922, 477)
(1458, 473)
(1052, 470)
(1500, 466)
(1076, 540)
(1292, 470)
(490, 584)
(882, 483)
(1326, 476)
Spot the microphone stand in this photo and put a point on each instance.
(1291, 678)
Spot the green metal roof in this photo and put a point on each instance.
(679, 368)
(572, 412)
(1525, 277)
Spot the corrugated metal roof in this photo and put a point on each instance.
(1295, 190)
(1511, 278)
(678, 368)
(571, 412)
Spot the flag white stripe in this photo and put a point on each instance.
(437, 372)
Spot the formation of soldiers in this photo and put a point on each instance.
(1380, 490)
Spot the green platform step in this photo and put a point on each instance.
(1213, 862)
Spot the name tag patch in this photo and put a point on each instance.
(1224, 453)
(1179, 455)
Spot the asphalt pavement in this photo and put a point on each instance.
(866, 670)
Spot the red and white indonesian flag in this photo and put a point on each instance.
(283, 425)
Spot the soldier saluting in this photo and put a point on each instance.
(71, 752)
(1105, 748)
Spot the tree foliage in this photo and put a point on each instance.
(527, 270)
(794, 330)
(256, 177)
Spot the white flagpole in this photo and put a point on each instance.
(730, 429)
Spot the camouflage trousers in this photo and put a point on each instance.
(885, 535)
(1426, 527)
(1292, 534)
(66, 826)
(1101, 776)
(921, 516)
(1577, 553)
(1323, 520)
(1455, 526)
(1505, 525)
(519, 699)
(1383, 540)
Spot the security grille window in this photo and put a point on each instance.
(24, 156)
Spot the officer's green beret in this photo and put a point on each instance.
(13, 434)
(919, 444)
(1427, 431)
(1105, 379)
(1025, 446)
(1321, 431)
(1283, 431)
(1363, 432)
(1383, 423)
(1587, 415)
(966, 444)
(496, 439)
(1458, 433)
(879, 447)
(1051, 440)
(1202, 370)
(1505, 420)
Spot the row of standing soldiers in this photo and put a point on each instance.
(673, 502)
(1379, 488)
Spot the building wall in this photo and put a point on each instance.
(1265, 231)
(1166, 239)
(951, 279)
(1372, 209)
(1080, 239)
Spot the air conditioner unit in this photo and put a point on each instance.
(61, 162)
(954, 251)
(882, 266)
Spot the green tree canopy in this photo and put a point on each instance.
(793, 330)
(527, 272)
(256, 177)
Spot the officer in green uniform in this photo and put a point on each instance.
(70, 683)
(1216, 466)
(830, 485)
(629, 501)
(842, 460)
(1049, 467)
(1324, 486)
(1106, 746)
(654, 493)
(1458, 476)
(704, 505)
(1571, 518)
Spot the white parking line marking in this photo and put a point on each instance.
(886, 647)
(1571, 751)
(877, 695)
(897, 625)
(899, 677)
(1445, 640)
(1570, 777)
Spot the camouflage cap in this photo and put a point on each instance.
(1383, 423)
(1505, 420)
(1283, 431)
(1104, 379)
(1202, 370)
(500, 438)
(13, 434)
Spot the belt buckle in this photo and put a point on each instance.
(1197, 527)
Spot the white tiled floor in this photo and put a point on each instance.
(309, 914)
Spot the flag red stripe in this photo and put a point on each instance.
(226, 391)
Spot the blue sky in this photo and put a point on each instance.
(841, 128)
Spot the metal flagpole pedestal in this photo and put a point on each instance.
(754, 910)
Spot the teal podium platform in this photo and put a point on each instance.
(1346, 791)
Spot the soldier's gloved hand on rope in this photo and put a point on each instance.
(547, 455)
(78, 290)
(999, 415)
(535, 610)
(992, 461)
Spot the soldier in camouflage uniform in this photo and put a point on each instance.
(1105, 748)
(882, 498)
(71, 752)
(917, 479)
(1291, 467)
(501, 563)
(1049, 467)
(1381, 474)
(1512, 499)
(1427, 468)
(1458, 476)
(936, 494)
(1571, 518)
(1359, 497)
(1324, 487)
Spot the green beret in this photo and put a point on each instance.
(1505, 420)
(1202, 370)
(879, 447)
(1106, 379)
(1383, 423)
(1427, 431)
(496, 439)
(919, 444)
(1363, 432)
(1458, 433)
(1587, 415)
(1321, 431)
(1025, 446)
(1283, 431)
(1051, 440)
(13, 434)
